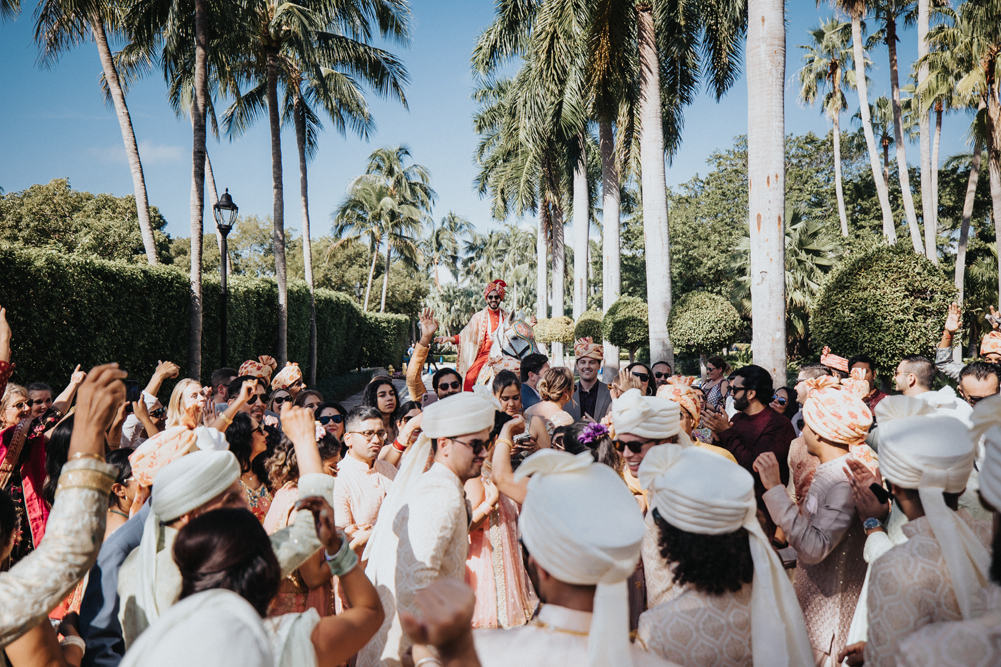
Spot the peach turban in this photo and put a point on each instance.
(833, 360)
(836, 412)
(505, 362)
(586, 347)
(288, 376)
(991, 343)
(172, 444)
(679, 389)
(495, 286)
(262, 368)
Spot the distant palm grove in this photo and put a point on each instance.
(580, 109)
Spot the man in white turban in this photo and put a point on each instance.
(704, 504)
(582, 531)
(421, 534)
(149, 581)
(974, 642)
(938, 573)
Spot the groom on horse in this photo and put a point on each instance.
(475, 340)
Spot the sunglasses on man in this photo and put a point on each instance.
(337, 419)
(477, 445)
(660, 375)
(634, 446)
(454, 384)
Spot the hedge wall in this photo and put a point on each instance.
(67, 310)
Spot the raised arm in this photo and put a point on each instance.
(445, 622)
(164, 370)
(503, 473)
(429, 326)
(223, 421)
(394, 453)
(943, 355)
(65, 399)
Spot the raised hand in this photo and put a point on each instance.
(429, 326)
(994, 318)
(5, 335)
(445, 622)
(323, 517)
(866, 503)
(409, 428)
(100, 395)
(246, 391)
(167, 369)
(954, 318)
(78, 376)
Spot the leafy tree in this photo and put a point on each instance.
(555, 330)
(588, 325)
(626, 325)
(704, 323)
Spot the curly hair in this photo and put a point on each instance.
(555, 383)
(713, 564)
(283, 466)
(370, 397)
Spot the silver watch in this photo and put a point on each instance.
(872, 523)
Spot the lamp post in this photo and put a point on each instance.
(224, 212)
(358, 290)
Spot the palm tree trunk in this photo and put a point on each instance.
(994, 168)
(838, 189)
(581, 227)
(559, 277)
(882, 192)
(307, 243)
(279, 209)
(213, 200)
(934, 164)
(654, 185)
(541, 265)
(198, 187)
(886, 163)
(371, 275)
(766, 182)
(611, 264)
(964, 230)
(901, 151)
(128, 136)
(928, 187)
(385, 278)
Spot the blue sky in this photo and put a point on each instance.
(55, 124)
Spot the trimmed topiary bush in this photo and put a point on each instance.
(703, 323)
(626, 325)
(555, 330)
(888, 303)
(588, 324)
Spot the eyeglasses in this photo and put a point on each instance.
(337, 419)
(643, 377)
(369, 435)
(475, 445)
(454, 384)
(778, 399)
(259, 429)
(21, 405)
(634, 446)
(973, 400)
(159, 413)
(661, 375)
(278, 400)
(253, 399)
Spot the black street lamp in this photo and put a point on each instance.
(225, 215)
(358, 290)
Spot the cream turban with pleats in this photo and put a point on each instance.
(987, 425)
(457, 415)
(700, 492)
(582, 525)
(216, 627)
(650, 417)
(934, 455)
(181, 486)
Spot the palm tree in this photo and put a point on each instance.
(361, 218)
(441, 244)
(62, 24)
(881, 120)
(856, 9)
(929, 162)
(828, 60)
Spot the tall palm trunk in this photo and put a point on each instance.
(581, 227)
(994, 164)
(611, 264)
(929, 194)
(886, 163)
(654, 184)
(964, 230)
(882, 192)
(559, 276)
(901, 149)
(307, 242)
(541, 281)
(213, 200)
(279, 208)
(198, 187)
(385, 278)
(838, 189)
(371, 276)
(934, 163)
(128, 136)
(766, 182)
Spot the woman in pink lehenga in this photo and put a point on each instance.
(310, 586)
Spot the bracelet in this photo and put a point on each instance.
(228, 420)
(73, 640)
(87, 455)
(399, 446)
(85, 479)
(430, 660)
(504, 441)
(344, 560)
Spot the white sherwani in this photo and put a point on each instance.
(975, 643)
(429, 540)
(557, 638)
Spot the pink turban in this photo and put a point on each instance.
(262, 368)
(586, 347)
(495, 286)
(991, 343)
(169, 445)
(833, 360)
(836, 412)
(288, 376)
(679, 389)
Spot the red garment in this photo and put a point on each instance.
(484, 352)
(874, 397)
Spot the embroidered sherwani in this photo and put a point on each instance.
(557, 638)
(699, 630)
(360, 490)
(475, 341)
(910, 588)
(292, 545)
(429, 540)
(827, 534)
(658, 574)
(974, 643)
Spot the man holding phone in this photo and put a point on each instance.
(134, 431)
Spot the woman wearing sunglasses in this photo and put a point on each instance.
(784, 402)
(642, 373)
(331, 417)
(278, 398)
(249, 443)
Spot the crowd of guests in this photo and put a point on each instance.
(541, 516)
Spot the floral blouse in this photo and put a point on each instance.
(258, 500)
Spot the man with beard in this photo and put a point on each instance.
(255, 406)
(754, 430)
(475, 340)
(445, 382)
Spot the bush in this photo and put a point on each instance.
(66, 310)
(555, 330)
(703, 323)
(626, 325)
(588, 325)
(887, 302)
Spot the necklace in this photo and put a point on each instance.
(118, 512)
(552, 628)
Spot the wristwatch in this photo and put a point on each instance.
(872, 523)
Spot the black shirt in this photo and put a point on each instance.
(588, 400)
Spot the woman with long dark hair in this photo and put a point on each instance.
(248, 441)
(381, 394)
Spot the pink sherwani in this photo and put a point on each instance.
(360, 490)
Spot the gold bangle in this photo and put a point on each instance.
(87, 455)
(82, 478)
(504, 441)
(228, 420)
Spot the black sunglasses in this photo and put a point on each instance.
(281, 399)
(253, 399)
(159, 413)
(454, 384)
(494, 298)
(476, 445)
(644, 377)
(778, 399)
(259, 429)
(634, 447)
(973, 400)
(661, 374)
(337, 419)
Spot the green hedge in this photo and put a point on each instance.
(65, 310)
(887, 302)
